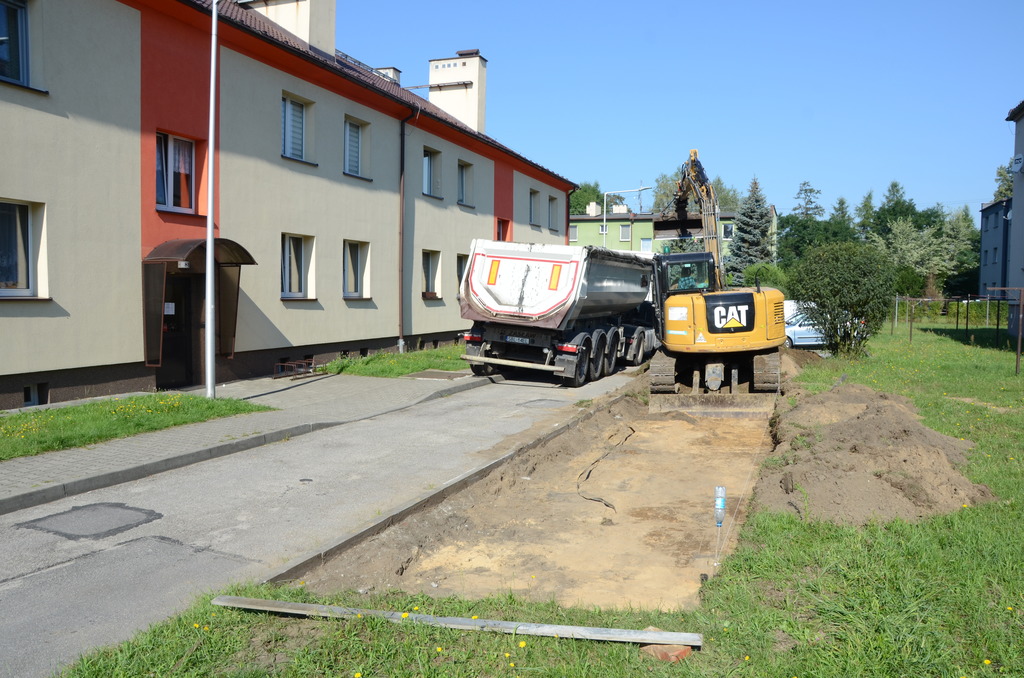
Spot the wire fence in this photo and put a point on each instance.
(992, 321)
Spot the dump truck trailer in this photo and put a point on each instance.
(572, 311)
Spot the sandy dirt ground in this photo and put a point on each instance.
(618, 511)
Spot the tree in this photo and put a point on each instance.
(934, 252)
(894, 205)
(750, 239)
(729, 198)
(807, 201)
(963, 241)
(588, 192)
(841, 216)
(850, 285)
(1004, 182)
(665, 187)
(798, 234)
(865, 216)
(768, 275)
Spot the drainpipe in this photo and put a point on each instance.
(401, 230)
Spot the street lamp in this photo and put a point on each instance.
(604, 211)
(211, 327)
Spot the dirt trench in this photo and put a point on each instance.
(618, 511)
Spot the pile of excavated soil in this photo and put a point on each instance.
(852, 454)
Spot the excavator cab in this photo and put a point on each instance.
(693, 272)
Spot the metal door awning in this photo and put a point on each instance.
(187, 256)
(193, 250)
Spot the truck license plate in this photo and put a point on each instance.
(517, 340)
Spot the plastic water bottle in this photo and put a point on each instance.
(719, 505)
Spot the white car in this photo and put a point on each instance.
(801, 332)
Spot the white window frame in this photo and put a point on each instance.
(646, 245)
(625, 232)
(296, 266)
(168, 160)
(574, 233)
(602, 229)
(293, 128)
(431, 172)
(20, 10)
(17, 239)
(465, 183)
(356, 269)
(355, 137)
(431, 265)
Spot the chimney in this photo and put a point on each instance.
(391, 73)
(459, 86)
(311, 20)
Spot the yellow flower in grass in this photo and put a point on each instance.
(522, 643)
(405, 615)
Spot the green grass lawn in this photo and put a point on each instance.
(942, 597)
(399, 364)
(27, 433)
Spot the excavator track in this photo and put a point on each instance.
(662, 373)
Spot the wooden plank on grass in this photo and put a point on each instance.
(518, 628)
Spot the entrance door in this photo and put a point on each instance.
(180, 332)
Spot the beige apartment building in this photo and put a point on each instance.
(343, 204)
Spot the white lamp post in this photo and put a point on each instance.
(211, 325)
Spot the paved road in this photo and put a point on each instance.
(92, 569)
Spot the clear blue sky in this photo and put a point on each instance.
(846, 95)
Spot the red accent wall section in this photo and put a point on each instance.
(504, 195)
(175, 69)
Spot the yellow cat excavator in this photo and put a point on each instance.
(716, 343)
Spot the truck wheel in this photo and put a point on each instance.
(640, 349)
(612, 352)
(483, 369)
(597, 357)
(582, 371)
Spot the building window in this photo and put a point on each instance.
(995, 255)
(625, 232)
(431, 173)
(296, 255)
(14, 41)
(175, 160)
(461, 262)
(431, 266)
(357, 256)
(573, 233)
(16, 269)
(504, 230)
(293, 128)
(552, 214)
(354, 148)
(465, 183)
(984, 261)
(727, 231)
(534, 208)
(645, 244)
(603, 228)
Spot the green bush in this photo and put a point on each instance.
(852, 287)
(768, 275)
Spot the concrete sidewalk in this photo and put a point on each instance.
(302, 406)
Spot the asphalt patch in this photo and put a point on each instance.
(93, 521)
